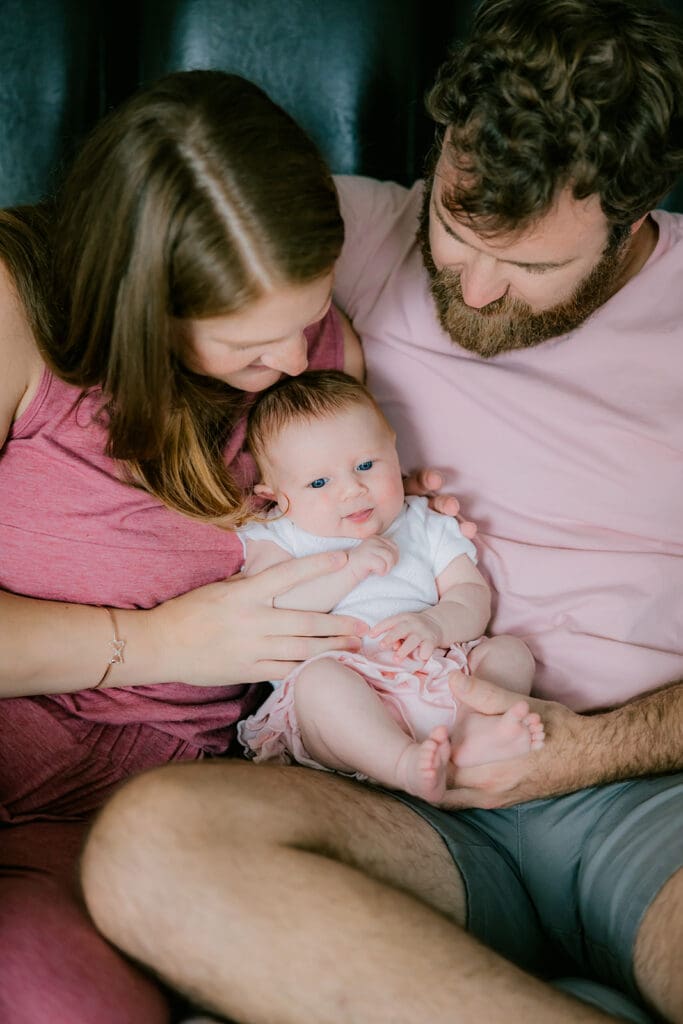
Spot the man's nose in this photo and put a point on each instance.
(482, 281)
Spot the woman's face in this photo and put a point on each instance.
(252, 348)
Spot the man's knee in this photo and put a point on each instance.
(163, 816)
(158, 811)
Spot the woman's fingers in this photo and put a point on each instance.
(282, 577)
(320, 624)
(301, 648)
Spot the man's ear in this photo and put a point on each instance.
(638, 223)
(264, 491)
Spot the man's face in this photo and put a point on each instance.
(495, 294)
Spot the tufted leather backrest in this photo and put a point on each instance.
(352, 72)
(50, 90)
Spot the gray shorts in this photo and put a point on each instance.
(561, 886)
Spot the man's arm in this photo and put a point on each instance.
(643, 737)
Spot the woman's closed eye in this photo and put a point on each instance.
(319, 482)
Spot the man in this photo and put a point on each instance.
(529, 340)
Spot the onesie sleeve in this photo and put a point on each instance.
(271, 531)
(446, 541)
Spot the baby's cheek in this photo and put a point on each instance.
(391, 492)
(326, 510)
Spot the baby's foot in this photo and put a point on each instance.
(484, 738)
(421, 770)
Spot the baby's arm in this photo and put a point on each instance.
(374, 555)
(462, 612)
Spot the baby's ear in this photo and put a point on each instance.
(264, 491)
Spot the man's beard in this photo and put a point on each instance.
(507, 324)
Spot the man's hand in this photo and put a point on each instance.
(553, 770)
(426, 483)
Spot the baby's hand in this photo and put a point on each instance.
(413, 632)
(373, 555)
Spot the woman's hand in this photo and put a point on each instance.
(229, 632)
(426, 483)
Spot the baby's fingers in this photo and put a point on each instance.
(287, 623)
(408, 646)
(384, 625)
(394, 636)
(426, 649)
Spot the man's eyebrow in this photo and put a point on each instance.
(515, 263)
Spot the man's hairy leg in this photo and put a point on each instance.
(278, 895)
(659, 951)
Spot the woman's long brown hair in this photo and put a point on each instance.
(193, 199)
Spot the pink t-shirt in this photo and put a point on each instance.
(567, 455)
(71, 530)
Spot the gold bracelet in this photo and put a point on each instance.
(117, 648)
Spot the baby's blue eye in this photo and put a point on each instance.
(320, 482)
(368, 464)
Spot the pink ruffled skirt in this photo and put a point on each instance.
(415, 693)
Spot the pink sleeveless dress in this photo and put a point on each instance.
(70, 530)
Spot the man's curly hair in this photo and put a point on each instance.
(555, 93)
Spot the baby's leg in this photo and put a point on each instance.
(505, 660)
(477, 738)
(345, 726)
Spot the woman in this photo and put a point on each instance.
(193, 250)
(188, 265)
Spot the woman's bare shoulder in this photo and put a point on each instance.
(21, 365)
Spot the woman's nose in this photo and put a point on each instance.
(290, 356)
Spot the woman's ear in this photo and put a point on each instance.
(264, 491)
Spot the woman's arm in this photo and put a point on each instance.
(21, 365)
(221, 634)
(55, 647)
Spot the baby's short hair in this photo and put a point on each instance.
(312, 395)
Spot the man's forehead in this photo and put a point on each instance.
(565, 227)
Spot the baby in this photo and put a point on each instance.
(328, 461)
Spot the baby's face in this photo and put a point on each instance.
(338, 476)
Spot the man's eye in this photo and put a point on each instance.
(539, 270)
(320, 482)
(368, 464)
